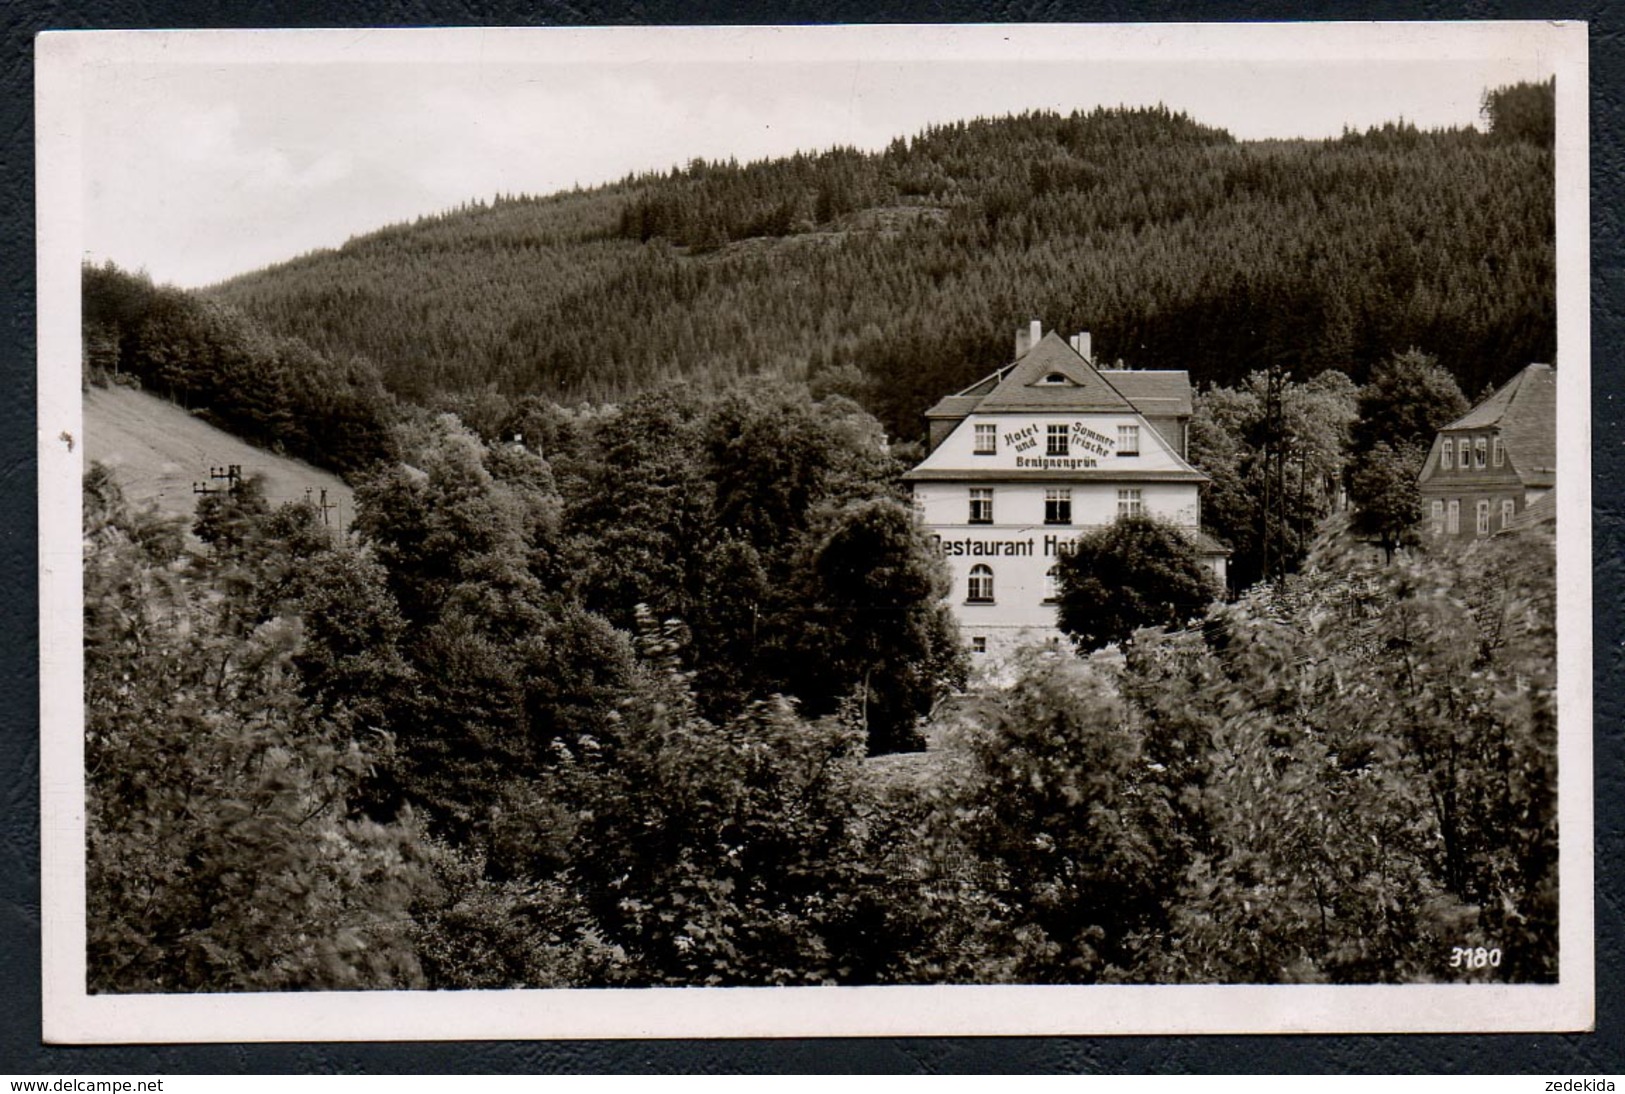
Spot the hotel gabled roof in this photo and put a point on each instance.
(1052, 376)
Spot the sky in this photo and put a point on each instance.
(205, 155)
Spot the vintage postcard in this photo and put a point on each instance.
(815, 531)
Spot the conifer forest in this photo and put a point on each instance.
(635, 667)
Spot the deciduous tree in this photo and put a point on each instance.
(1136, 572)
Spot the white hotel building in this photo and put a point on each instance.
(1024, 461)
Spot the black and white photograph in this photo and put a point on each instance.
(775, 531)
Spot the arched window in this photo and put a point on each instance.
(1052, 583)
(981, 584)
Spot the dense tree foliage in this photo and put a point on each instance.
(1408, 399)
(1523, 112)
(221, 852)
(873, 625)
(771, 525)
(1135, 572)
(1387, 502)
(314, 764)
(271, 390)
(894, 277)
(1384, 792)
(1275, 464)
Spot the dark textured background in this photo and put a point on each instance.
(20, 1048)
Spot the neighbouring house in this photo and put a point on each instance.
(1041, 451)
(1494, 468)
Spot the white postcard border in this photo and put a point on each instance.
(73, 1016)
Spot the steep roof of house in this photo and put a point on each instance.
(1155, 394)
(954, 406)
(1053, 377)
(1525, 411)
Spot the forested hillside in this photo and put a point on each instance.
(896, 277)
(272, 391)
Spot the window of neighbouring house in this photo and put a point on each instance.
(1508, 506)
(1058, 505)
(1452, 519)
(1480, 447)
(1129, 502)
(1483, 513)
(1500, 453)
(987, 440)
(1128, 440)
(1447, 453)
(980, 589)
(1437, 517)
(981, 505)
(1055, 436)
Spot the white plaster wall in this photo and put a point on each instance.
(945, 506)
(958, 449)
(1019, 583)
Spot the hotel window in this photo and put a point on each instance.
(1446, 454)
(981, 505)
(1058, 505)
(980, 590)
(1052, 584)
(1128, 440)
(986, 439)
(1129, 503)
(1452, 520)
(1500, 453)
(1055, 437)
(1507, 508)
(1483, 510)
(978, 643)
(1479, 447)
(1438, 516)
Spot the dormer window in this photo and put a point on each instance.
(1055, 378)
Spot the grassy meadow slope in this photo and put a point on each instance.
(157, 451)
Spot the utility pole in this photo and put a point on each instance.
(1275, 495)
(324, 507)
(231, 475)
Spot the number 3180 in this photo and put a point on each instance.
(1462, 957)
